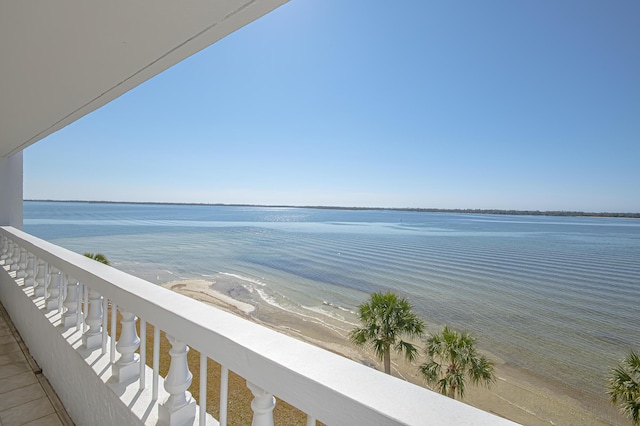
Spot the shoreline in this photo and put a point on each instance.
(516, 395)
(503, 212)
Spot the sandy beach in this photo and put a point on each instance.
(517, 394)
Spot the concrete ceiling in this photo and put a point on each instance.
(60, 60)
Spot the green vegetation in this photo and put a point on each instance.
(385, 319)
(99, 257)
(624, 386)
(451, 359)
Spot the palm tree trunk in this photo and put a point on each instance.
(387, 361)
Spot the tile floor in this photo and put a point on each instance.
(26, 397)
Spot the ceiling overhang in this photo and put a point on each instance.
(61, 60)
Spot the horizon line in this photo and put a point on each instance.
(409, 209)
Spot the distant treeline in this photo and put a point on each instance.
(406, 209)
(530, 212)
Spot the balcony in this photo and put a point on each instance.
(64, 304)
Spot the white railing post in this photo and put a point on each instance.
(156, 362)
(112, 347)
(262, 405)
(224, 394)
(203, 389)
(62, 291)
(15, 257)
(127, 366)
(92, 338)
(70, 316)
(180, 407)
(41, 277)
(105, 321)
(143, 353)
(7, 251)
(53, 289)
(30, 277)
(21, 266)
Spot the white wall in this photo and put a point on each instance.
(11, 190)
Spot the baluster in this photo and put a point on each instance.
(15, 257)
(30, 277)
(127, 366)
(6, 250)
(53, 289)
(92, 338)
(22, 264)
(224, 394)
(262, 405)
(105, 320)
(311, 421)
(70, 316)
(80, 325)
(112, 347)
(63, 291)
(143, 353)
(203, 389)
(41, 278)
(156, 361)
(180, 407)
(85, 314)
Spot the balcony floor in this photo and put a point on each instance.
(26, 397)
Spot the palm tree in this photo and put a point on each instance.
(451, 359)
(624, 386)
(99, 257)
(385, 319)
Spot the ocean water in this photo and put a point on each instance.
(556, 296)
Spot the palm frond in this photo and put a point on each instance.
(99, 257)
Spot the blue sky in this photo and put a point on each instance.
(466, 104)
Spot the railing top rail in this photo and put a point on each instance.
(327, 386)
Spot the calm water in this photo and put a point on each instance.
(556, 296)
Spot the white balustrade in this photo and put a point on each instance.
(70, 315)
(180, 407)
(92, 338)
(30, 277)
(41, 278)
(53, 289)
(127, 366)
(262, 405)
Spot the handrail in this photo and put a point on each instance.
(326, 386)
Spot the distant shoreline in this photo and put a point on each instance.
(402, 209)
